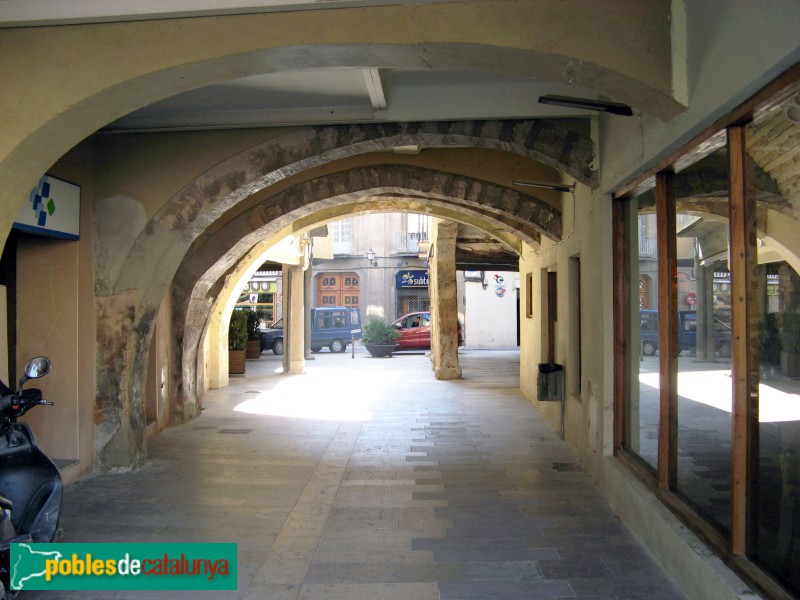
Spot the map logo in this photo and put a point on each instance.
(123, 566)
(43, 204)
(27, 564)
(53, 209)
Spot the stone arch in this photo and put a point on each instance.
(501, 212)
(221, 188)
(152, 262)
(192, 53)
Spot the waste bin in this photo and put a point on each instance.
(551, 382)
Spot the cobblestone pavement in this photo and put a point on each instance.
(368, 479)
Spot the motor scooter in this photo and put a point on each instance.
(30, 483)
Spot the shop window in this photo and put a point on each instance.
(707, 325)
(773, 143)
(705, 400)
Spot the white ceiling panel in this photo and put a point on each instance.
(25, 13)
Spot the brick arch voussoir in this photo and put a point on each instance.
(194, 208)
(518, 211)
(200, 273)
(473, 193)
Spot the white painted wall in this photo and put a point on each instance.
(733, 48)
(490, 318)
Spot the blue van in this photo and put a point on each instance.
(332, 327)
(687, 333)
(648, 330)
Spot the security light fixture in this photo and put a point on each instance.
(557, 187)
(614, 108)
(410, 149)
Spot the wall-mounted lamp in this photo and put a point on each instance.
(371, 258)
(558, 187)
(614, 108)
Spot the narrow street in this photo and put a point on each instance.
(368, 479)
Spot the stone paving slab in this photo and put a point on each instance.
(399, 488)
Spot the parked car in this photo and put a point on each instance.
(687, 333)
(331, 327)
(272, 337)
(415, 331)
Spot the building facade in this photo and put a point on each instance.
(375, 266)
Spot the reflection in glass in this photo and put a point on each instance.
(643, 411)
(705, 389)
(770, 525)
(773, 142)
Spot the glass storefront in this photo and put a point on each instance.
(643, 405)
(259, 295)
(412, 292)
(705, 402)
(773, 142)
(711, 380)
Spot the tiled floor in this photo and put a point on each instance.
(368, 479)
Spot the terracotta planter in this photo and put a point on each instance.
(236, 361)
(253, 349)
(380, 350)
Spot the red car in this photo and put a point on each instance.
(415, 331)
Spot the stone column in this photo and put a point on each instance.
(307, 313)
(705, 313)
(286, 293)
(294, 332)
(444, 300)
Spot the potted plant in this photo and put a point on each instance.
(237, 342)
(379, 338)
(253, 337)
(790, 344)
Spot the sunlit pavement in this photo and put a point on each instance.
(705, 392)
(368, 479)
(710, 383)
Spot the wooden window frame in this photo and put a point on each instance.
(552, 313)
(667, 331)
(744, 366)
(529, 295)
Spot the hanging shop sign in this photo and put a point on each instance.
(53, 209)
(411, 279)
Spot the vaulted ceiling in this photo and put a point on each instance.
(324, 92)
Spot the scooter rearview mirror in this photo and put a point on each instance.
(39, 366)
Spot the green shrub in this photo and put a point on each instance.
(237, 331)
(253, 321)
(377, 331)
